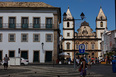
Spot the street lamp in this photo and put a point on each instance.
(82, 17)
(18, 52)
(42, 44)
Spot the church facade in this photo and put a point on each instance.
(85, 35)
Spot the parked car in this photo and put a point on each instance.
(24, 61)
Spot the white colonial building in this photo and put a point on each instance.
(32, 28)
(108, 41)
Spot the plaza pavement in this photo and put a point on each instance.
(43, 71)
(103, 69)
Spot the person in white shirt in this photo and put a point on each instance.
(6, 59)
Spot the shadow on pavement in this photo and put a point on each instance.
(12, 71)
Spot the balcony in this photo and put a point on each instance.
(36, 25)
(48, 26)
(11, 25)
(0, 25)
(26, 26)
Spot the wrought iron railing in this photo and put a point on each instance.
(26, 26)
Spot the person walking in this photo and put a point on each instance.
(89, 62)
(77, 61)
(6, 59)
(83, 68)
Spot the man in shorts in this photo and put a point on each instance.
(6, 62)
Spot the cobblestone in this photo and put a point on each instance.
(44, 71)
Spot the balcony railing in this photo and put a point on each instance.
(12, 25)
(36, 25)
(0, 25)
(26, 26)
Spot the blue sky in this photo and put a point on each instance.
(89, 7)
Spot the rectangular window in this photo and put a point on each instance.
(36, 37)
(48, 22)
(24, 22)
(11, 37)
(11, 53)
(0, 22)
(36, 22)
(48, 37)
(24, 37)
(68, 34)
(0, 37)
(12, 22)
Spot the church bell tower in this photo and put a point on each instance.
(68, 33)
(101, 25)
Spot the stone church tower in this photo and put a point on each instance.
(101, 25)
(68, 32)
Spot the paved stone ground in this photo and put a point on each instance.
(43, 71)
(105, 70)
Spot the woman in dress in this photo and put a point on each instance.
(83, 68)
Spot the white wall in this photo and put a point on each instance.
(30, 45)
(99, 54)
(30, 15)
(99, 41)
(68, 31)
(99, 33)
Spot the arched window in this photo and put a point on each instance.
(67, 24)
(93, 54)
(93, 46)
(86, 46)
(101, 24)
(77, 46)
(68, 45)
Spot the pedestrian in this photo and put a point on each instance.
(69, 60)
(6, 59)
(83, 68)
(77, 61)
(89, 62)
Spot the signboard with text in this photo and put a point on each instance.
(81, 48)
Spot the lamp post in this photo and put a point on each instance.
(18, 52)
(42, 44)
(82, 17)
